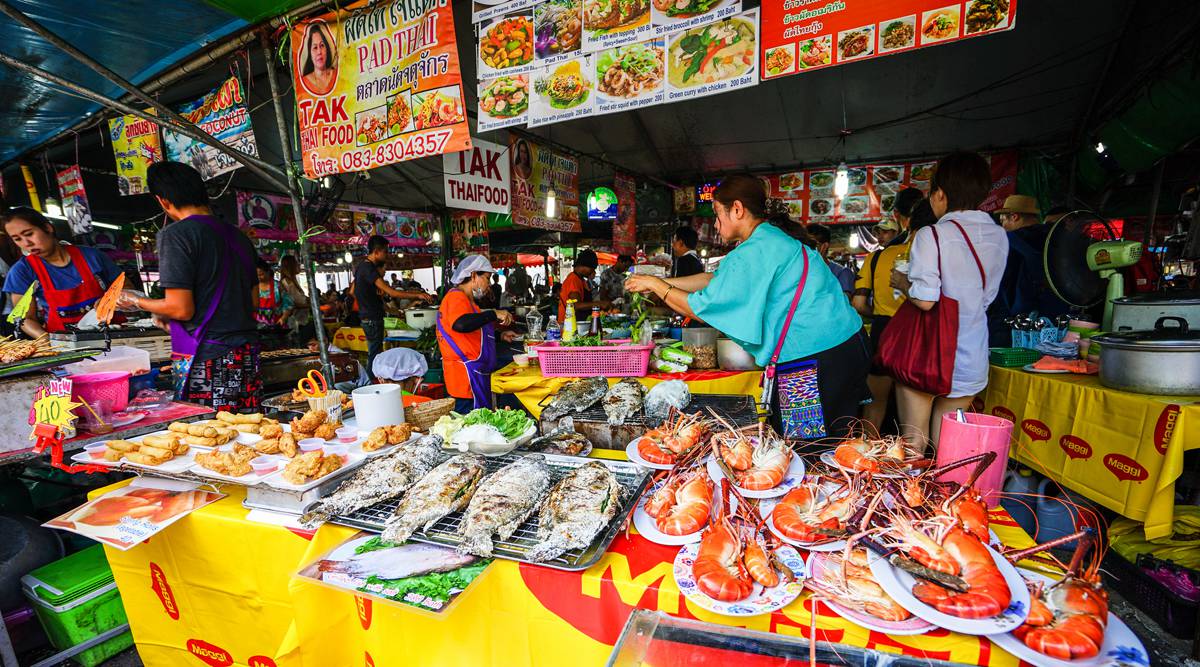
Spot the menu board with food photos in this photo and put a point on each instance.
(269, 216)
(802, 35)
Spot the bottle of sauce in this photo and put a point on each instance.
(595, 328)
(570, 327)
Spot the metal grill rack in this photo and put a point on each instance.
(631, 477)
(738, 409)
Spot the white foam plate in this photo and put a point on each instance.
(648, 529)
(828, 459)
(899, 584)
(792, 478)
(1121, 647)
(914, 625)
(632, 452)
(767, 508)
(276, 479)
(761, 601)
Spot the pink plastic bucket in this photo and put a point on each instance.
(112, 386)
(979, 434)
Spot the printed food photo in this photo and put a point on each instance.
(630, 71)
(715, 52)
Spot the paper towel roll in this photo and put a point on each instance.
(378, 405)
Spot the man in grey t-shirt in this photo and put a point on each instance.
(368, 284)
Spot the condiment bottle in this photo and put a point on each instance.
(569, 326)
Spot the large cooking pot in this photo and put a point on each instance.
(1163, 360)
(1141, 311)
(420, 318)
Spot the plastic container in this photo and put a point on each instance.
(606, 361)
(1019, 501)
(1057, 513)
(76, 599)
(980, 433)
(347, 434)
(96, 450)
(119, 358)
(264, 465)
(110, 385)
(249, 439)
(310, 444)
(521, 360)
(338, 449)
(1012, 357)
(700, 336)
(1175, 614)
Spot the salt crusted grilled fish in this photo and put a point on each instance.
(380, 479)
(623, 400)
(575, 396)
(578, 507)
(447, 488)
(503, 502)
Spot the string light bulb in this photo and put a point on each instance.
(1100, 147)
(53, 209)
(348, 257)
(841, 182)
(437, 237)
(551, 203)
(854, 240)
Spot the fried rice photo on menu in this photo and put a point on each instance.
(897, 34)
(715, 52)
(983, 15)
(558, 27)
(940, 24)
(630, 71)
(507, 43)
(614, 15)
(505, 97)
(566, 87)
(779, 60)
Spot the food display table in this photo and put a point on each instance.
(218, 587)
(528, 385)
(352, 339)
(1119, 449)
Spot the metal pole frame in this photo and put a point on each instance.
(293, 190)
(249, 161)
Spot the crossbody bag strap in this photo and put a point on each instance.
(787, 322)
(971, 247)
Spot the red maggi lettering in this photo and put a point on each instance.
(1165, 428)
(163, 590)
(1035, 429)
(1004, 413)
(364, 611)
(1125, 468)
(215, 656)
(260, 661)
(1075, 447)
(368, 660)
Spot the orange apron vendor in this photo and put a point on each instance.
(467, 335)
(576, 287)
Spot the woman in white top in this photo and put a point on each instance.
(960, 183)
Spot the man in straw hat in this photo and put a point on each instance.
(1023, 288)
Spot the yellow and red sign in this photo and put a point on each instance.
(136, 146)
(802, 35)
(378, 84)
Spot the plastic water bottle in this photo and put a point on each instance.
(552, 330)
(1021, 505)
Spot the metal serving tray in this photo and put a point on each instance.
(738, 409)
(632, 478)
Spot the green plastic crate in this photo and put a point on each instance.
(1012, 357)
(75, 599)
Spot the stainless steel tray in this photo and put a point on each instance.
(632, 478)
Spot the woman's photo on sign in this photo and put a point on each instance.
(317, 60)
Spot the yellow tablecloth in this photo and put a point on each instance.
(1120, 449)
(217, 589)
(352, 339)
(530, 387)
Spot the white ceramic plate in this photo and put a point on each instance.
(899, 584)
(914, 625)
(792, 478)
(767, 507)
(84, 457)
(632, 452)
(648, 529)
(828, 459)
(761, 601)
(1121, 647)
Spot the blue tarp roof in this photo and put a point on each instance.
(135, 38)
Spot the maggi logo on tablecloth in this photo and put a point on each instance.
(1004, 413)
(1075, 447)
(260, 661)
(163, 590)
(209, 654)
(1165, 427)
(1125, 468)
(1035, 429)
(363, 605)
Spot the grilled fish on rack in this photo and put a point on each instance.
(447, 488)
(623, 400)
(578, 507)
(562, 440)
(502, 503)
(575, 396)
(380, 479)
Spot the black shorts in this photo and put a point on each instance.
(878, 324)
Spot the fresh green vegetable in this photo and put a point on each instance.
(439, 586)
(511, 423)
(698, 7)
(374, 544)
(641, 310)
(585, 341)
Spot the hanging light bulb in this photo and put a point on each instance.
(551, 203)
(854, 240)
(704, 252)
(348, 257)
(437, 237)
(841, 182)
(53, 209)
(1100, 147)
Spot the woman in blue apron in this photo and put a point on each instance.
(467, 335)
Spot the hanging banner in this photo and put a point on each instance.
(223, 114)
(713, 58)
(468, 233)
(1004, 180)
(625, 227)
(478, 179)
(74, 200)
(269, 216)
(31, 188)
(136, 146)
(799, 35)
(378, 84)
(535, 170)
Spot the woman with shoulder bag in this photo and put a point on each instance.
(936, 344)
(776, 297)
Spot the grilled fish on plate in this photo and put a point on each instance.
(577, 509)
(379, 479)
(502, 503)
(623, 400)
(447, 488)
(575, 396)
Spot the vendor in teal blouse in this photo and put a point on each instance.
(748, 297)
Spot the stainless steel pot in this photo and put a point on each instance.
(1163, 360)
(1140, 312)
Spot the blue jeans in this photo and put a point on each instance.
(373, 329)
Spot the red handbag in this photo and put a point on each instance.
(918, 346)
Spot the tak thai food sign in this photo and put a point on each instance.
(802, 35)
(378, 84)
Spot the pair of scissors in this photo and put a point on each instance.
(313, 384)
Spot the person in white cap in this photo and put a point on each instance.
(467, 335)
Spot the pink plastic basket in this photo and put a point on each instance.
(607, 361)
(109, 386)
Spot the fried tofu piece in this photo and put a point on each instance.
(270, 431)
(288, 446)
(327, 431)
(377, 439)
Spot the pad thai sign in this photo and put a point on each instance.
(802, 35)
(378, 84)
(535, 171)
